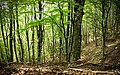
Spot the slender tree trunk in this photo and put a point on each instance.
(43, 45)
(53, 43)
(71, 42)
(40, 33)
(1, 52)
(43, 36)
(71, 33)
(60, 54)
(7, 42)
(103, 28)
(67, 35)
(33, 51)
(95, 29)
(11, 38)
(86, 34)
(18, 34)
(27, 37)
(15, 41)
(95, 25)
(96, 44)
(105, 12)
(3, 36)
(33, 33)
(60, 39)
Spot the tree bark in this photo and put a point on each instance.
(53, 43)
(71, 33)
(27, 37)
(19, 37)
(67, 35)
(78, 9)
(105, 12)
(3, 36)
(40, 33)
(11, 38)
(15, 40)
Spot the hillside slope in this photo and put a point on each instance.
(94, 54)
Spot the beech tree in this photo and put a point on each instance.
(78, 9)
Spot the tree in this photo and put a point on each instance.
(27, 36)
(105, 12)
(78, 9)
(67, 34)
(40, 33)
(3, 35)
(15, 39)
(33, 35)
(18, 34)
(11, 26)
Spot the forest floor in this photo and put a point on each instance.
(92, 63)
(63, 68)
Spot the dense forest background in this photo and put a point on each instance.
(55, 30)
(40, 31)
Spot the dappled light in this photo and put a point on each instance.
(59, 37)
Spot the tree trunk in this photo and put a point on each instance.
(27, 37)
(105, 12)
(33, 51)
(78, 9)
(53, 43)
(11, 23)
(67, 36)
(71, 33)
(86, 34)
(40, 33)
(7, 42)
(60, 54)
(3, 36)
(33, 33)
(44, 46)
(95, 26)
(18, 34)
(15, 40)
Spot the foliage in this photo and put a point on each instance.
(53, 19)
